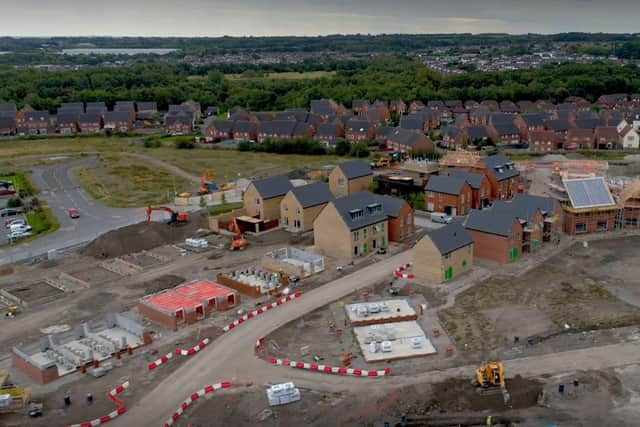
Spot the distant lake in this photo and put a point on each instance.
(116, 51)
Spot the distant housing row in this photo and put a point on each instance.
(612, 122)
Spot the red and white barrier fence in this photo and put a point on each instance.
(330, 369)
(193, 350)
(110, 416)
(400, 272)
(195, 396)
(261, 310)
(179, 352)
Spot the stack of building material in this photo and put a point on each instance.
(281, 394)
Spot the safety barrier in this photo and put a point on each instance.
(400, 274)
(330, 369)
(179, 352)
(112, 395)
(261, 310)
(195, 396)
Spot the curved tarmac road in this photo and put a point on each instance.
(231, 357)
(61, 190)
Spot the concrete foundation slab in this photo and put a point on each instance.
(399, 340)
(369, 313)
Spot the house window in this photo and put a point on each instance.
(286, 209)
(462, 198)
(464, 263)
(364, 232)
(298, 211)
(401, 221)
(601, 226)
(382, 227)
(257, 201)
(447, 256)
(375, 229)
(409, 219)
(341, 181)
(581, 228)
(356, 236)
(429, 193)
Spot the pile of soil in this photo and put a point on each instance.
(142, 236)
(460, 395)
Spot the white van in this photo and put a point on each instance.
(440, 217)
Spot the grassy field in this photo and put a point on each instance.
(227, 207)
(126, 181)
(284, 76)
(121, 181)
(42, 222)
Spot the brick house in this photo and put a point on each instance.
(480, 187)
(579, 139)
(497, 237)
(276, 130)
(443, 254)
(560, 128)
(301, 205)
(303, 130)
(359, 105)
(502, 173)
(359, 131)
(398, 107)
(89, 123)
(119, 121)
(128, 107)
(7, 125)
(630, 138)
(245, 131)
(329, 133)
(262, 197)
(413, 122)
(178, 124)
(360, 224)
(147, 112)
(401, 219)
(591, 207)
(449, 194)
(219, 129)
(450, 137)
(96, 108)
(350, 177)
(326, 108)
(406, 141)
(542, 141)
(37, 122)
(505, 134)
(606, 137)
(67, 123)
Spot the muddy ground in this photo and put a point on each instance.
(600, 399)
(582, 289)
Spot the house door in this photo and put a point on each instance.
(430, 207)
(453, 211)
(448, 274)
(383, 243)
(365, 248)
(373, 244)
(513, 254)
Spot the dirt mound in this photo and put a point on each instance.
(142, 236)
(158, 284)
(461, 395)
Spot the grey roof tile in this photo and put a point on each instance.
(450, 237)
(313, 194)
(273, 186)
(353, 169)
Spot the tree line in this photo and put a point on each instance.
(382, 78)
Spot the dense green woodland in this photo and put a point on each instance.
(385, 79)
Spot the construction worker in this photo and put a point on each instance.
(89, 398)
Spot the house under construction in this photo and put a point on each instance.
(594, 207)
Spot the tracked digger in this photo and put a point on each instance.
(490, 379)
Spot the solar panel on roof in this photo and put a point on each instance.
(588, 193)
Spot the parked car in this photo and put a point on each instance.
(442, 218)
(19, 227)
(10, 212)
(19, 234)
(73, 213)
(8, 223)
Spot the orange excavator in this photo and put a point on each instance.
(205, 183)
(176, 218)
(238, 243)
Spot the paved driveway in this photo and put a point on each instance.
(61, 191)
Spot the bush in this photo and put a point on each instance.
(185, 145)
(297, 146)
(14, 202)
(152, 143)
(359, 150)
(342, 148)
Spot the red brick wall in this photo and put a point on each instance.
(41, 377)
(406, 230)
(238, 286)
(167, 321)
(439, 203)
(494, 247)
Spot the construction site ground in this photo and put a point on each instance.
(597, 283)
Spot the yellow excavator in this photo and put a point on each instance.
(490, 377)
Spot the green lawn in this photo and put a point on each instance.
(226, 207)
(42, 222)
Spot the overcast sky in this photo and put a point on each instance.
(312, 17)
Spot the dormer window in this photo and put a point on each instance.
(374, 208)
(356, 213)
